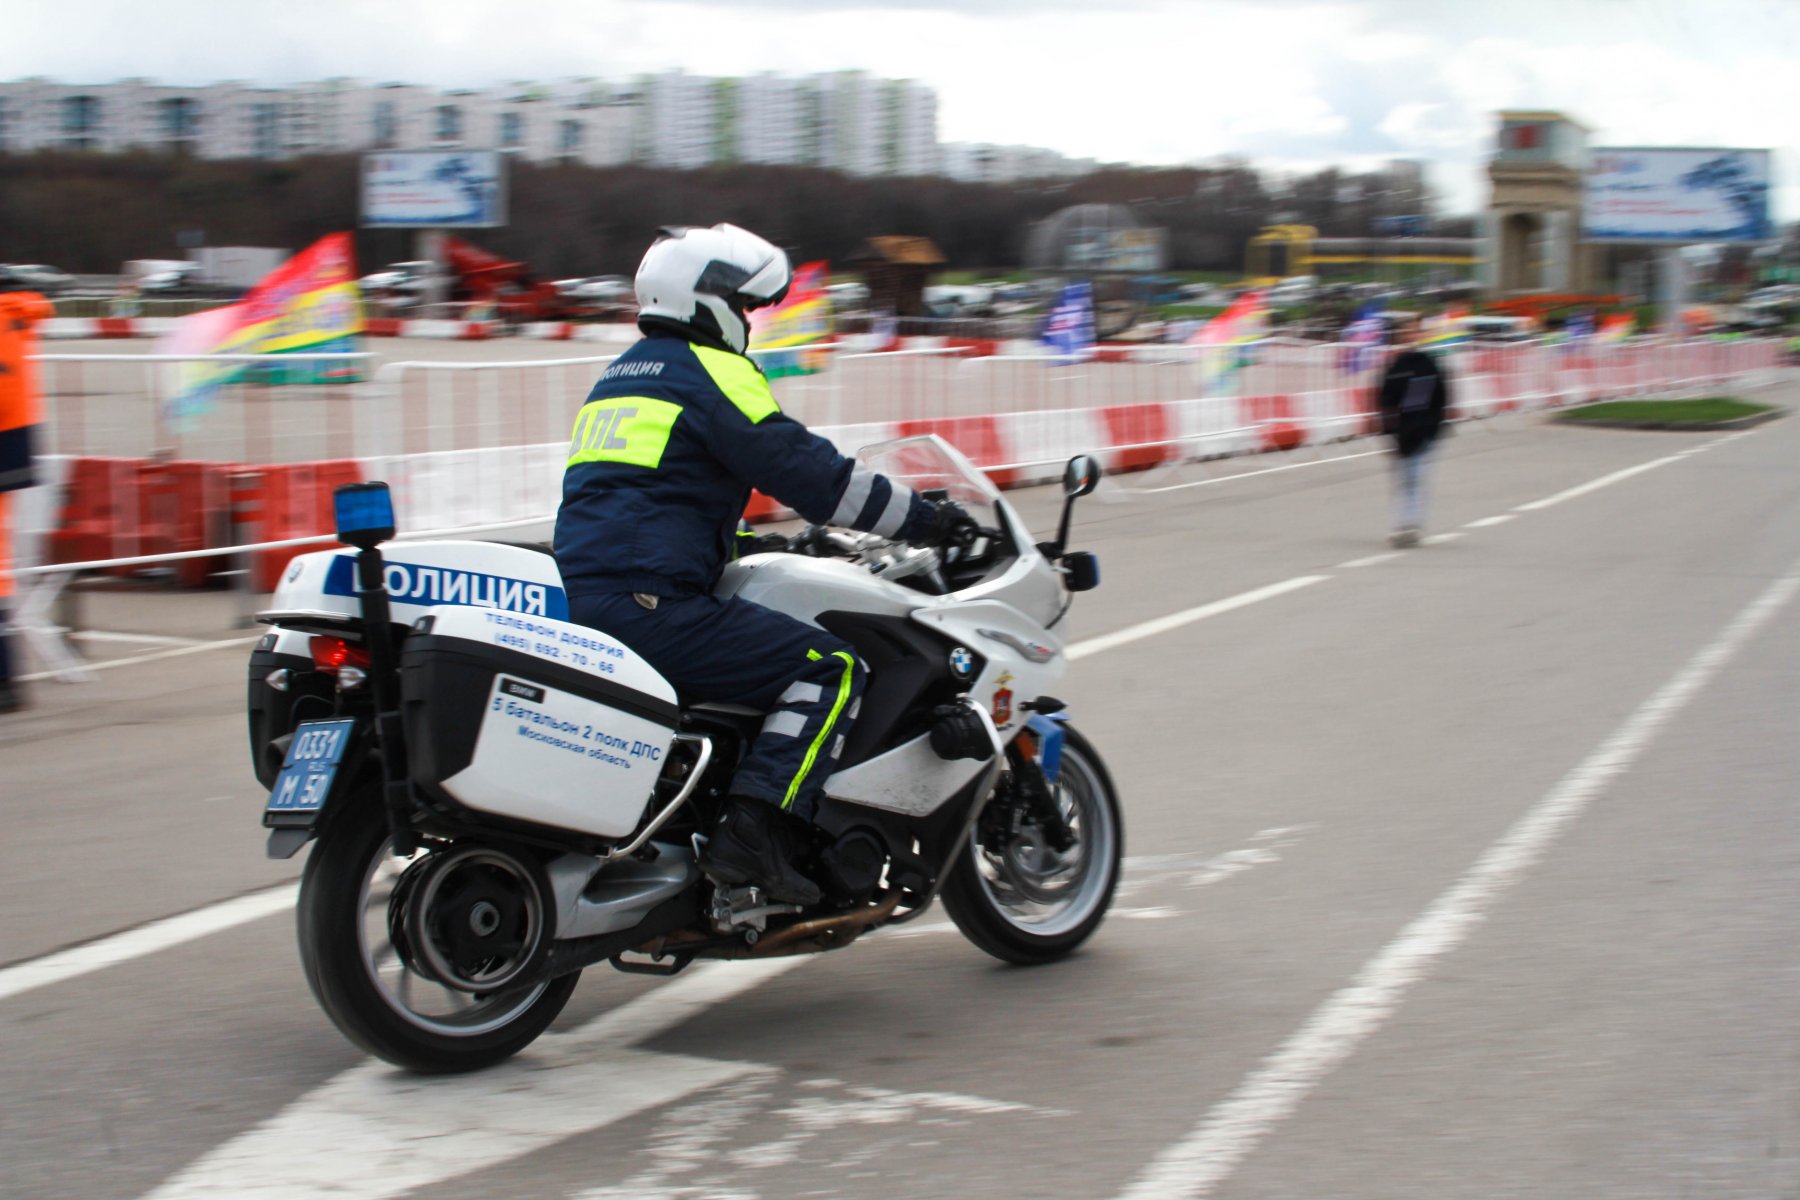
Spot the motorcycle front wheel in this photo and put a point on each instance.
(376, 965)
(1027, 903)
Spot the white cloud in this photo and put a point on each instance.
(1154, 81)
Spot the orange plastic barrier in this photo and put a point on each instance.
(185, 506)
(100, 512)
(282, 502)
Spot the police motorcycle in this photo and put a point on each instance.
(502, 798)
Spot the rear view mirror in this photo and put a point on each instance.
(1081, 476)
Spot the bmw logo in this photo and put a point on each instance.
(962, 662)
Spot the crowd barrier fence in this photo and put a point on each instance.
(481, 445)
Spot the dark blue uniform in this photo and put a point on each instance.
(661, 462)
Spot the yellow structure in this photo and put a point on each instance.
(1283, 251)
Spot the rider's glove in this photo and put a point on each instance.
(948, 527)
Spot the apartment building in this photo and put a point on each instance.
(844, 120)
(984, 162)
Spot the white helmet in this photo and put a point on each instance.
(707, 279)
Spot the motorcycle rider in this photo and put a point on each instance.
(664, 453)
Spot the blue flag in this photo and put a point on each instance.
(1069, 332)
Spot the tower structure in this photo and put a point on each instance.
(1533, 221)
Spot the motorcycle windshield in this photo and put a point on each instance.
(929, 463)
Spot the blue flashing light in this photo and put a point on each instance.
(365, 513)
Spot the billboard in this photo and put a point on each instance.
(1134, 250)
(433, 189)
(1676, 195)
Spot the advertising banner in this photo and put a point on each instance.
(310, 302)
(433, 189)
(788, 339)
(1676, 195)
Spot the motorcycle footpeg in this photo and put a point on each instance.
(956, 732)
(744, 909)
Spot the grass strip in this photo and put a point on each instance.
(1704, 410)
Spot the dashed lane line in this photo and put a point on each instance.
(1370, 561)
(1208, 1156)
(1317, 462)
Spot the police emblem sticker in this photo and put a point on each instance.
(962, 662)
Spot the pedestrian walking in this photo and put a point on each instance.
(1412, 400)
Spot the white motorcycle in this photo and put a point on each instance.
(502, 798)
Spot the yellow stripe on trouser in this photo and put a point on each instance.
(812, 751)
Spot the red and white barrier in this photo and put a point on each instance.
(472, 445)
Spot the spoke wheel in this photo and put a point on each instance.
(415, 959)
(1025, 902)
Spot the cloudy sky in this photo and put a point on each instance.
(1288, 84)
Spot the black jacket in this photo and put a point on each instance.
(663, 456)
(1413, 398)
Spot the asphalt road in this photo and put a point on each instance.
(1467, 871)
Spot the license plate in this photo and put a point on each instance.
(312, 759)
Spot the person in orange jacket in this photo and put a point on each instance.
(20, 414)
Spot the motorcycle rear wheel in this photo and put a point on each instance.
(1028, 904)
(371, 991)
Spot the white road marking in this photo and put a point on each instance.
(1317, 462)
(1594, 485)
(1144, 629)
(1207, 1156)
(147, 639)
(1370, 561)
(699, 1149)
(1487, 522)
(156, 656)
(374, 1132)
(153, 938)
(1438, 539)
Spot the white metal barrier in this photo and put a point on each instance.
(120, 405)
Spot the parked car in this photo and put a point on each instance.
(34, 277)
(848, 297)
(398, 277)
(1296, 290)
(173, 277)
(597, 289)
(951, 300)
(1499, 329)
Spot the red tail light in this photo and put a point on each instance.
(332, 654)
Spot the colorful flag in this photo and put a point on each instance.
(1225, 341)
(1445, 331)
(309, 303)
(1615, 328)
(790, 338)
(1363, 338)
(1069, 330)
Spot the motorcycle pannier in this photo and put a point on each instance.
(534, 719)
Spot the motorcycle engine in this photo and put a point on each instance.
(850, 868)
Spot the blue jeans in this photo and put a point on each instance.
(1409, 488)
(735, 652)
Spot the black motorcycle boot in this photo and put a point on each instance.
(752, 845)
